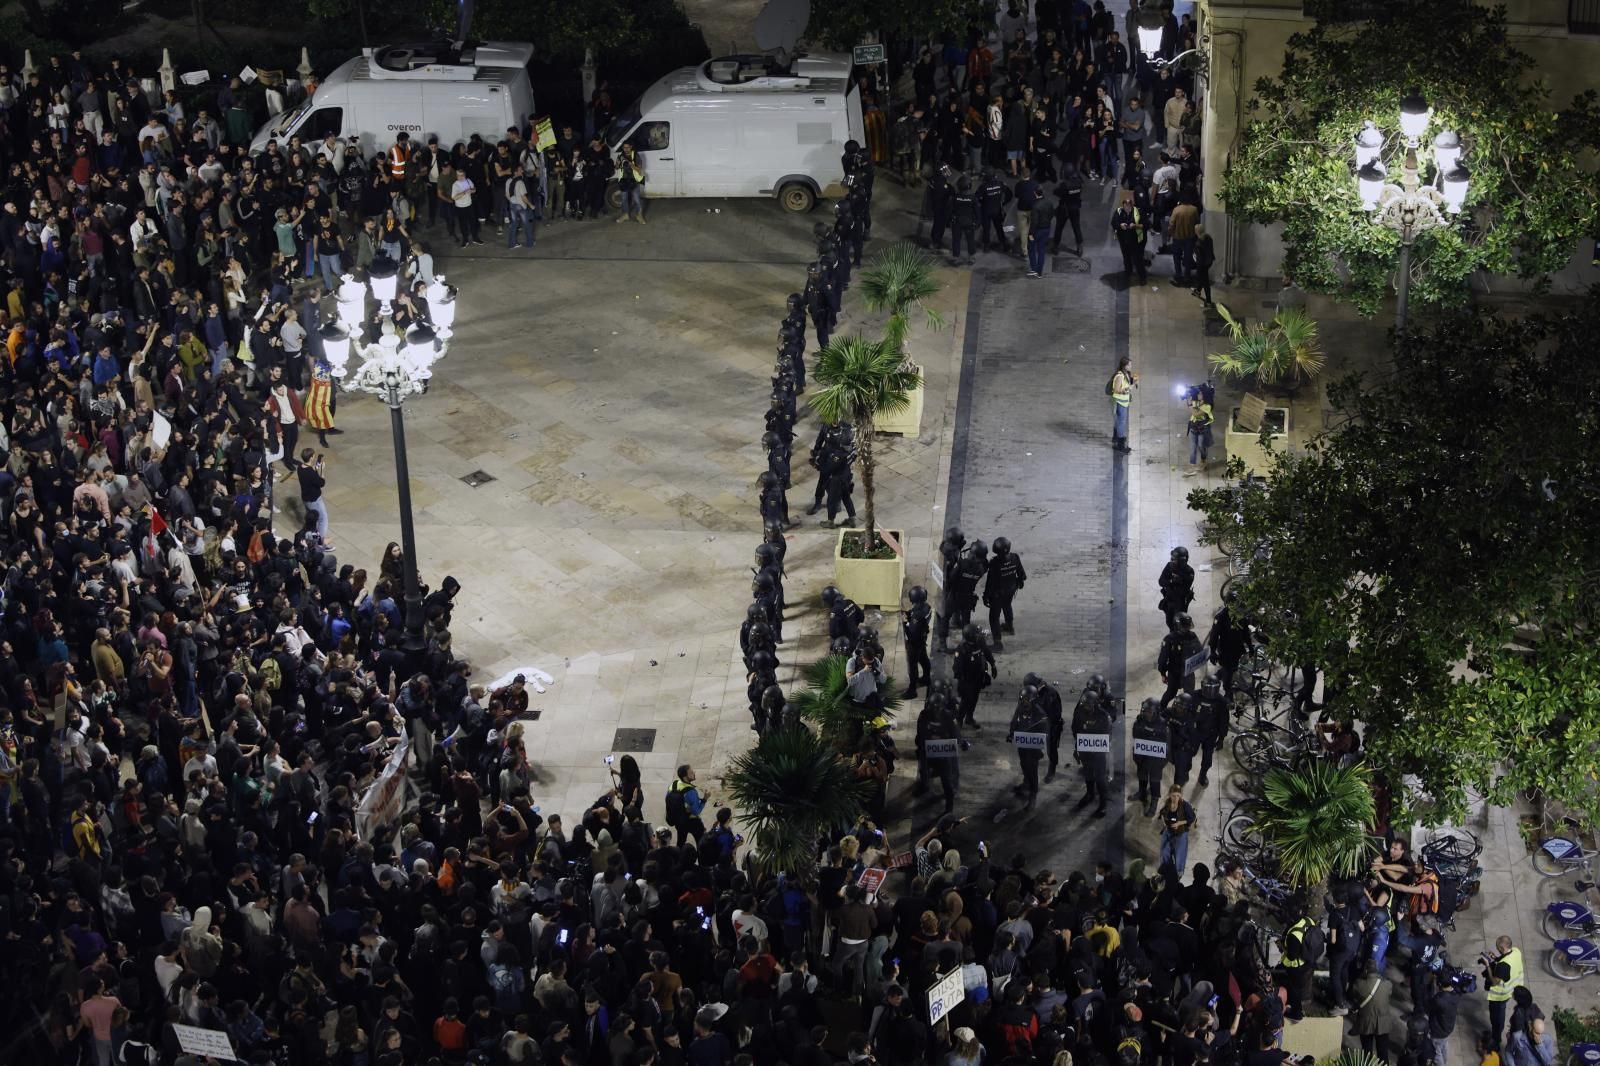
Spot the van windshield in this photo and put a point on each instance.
(620, 125)
(290, 119)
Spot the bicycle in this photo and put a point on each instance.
(1573, 960)
(1452, 854)
(1559, 855)
(1239, 836)
(1584, 1055)
(1267, 746)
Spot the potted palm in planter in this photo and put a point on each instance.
(857, 380)
(1277, 358)
(898, 280)
(792, 789)
(825, 702)
(1317, 820)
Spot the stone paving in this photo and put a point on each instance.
(612, 383)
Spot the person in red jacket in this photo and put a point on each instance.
(1015, 1024)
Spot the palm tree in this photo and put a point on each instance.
(793, 788)
(900, 278)
(825, 702)
(858, 379)
(1287, 350)
(1317, 820)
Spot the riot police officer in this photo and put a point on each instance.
(1177, 648)
(974, 670)
(818, 304)
(963, 221)
(792, 350)
(1183, 737)
(914, 624)
(867, 642)
(1177, 585)
(767, 567)
(844, 616)
(777, 456)
(1049, 703)
(1005, 577)
(1028, 718)
(1148, 726)
(763, 675)
(936, 204)
(935, 723)
(993, 196)
(1096, 719)
(755, 635)
(950, 549)
(775, 711)
(1230, 639)
(794, 313)
(834, 470)
(1211, 722)
(1069, 203)
(774, 502)
(772, 533)
(829, 435)
(971, 569)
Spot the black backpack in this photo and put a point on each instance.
(677, 808)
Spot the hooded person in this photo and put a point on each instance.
(202, 949)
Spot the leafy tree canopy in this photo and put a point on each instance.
(1437, 554)
(1531, 196)
(841, 24)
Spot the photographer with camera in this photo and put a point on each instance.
(1502, 972)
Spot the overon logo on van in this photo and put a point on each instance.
(394, 127)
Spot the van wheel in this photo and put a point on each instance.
(614, 196)
(797, 198)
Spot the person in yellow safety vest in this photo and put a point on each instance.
(1303, 942)
(399, 153)
(1120, 389)
(1502, 973)
(1200, 419)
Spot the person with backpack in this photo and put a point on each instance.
(1422, 898)
(1120, 388)
(684, 805)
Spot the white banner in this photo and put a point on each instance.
(195, 77)
(1094, 742)
(941, 749)
(1030, 741)
(945, 996)
(384, 800)
(536, 678)
(209, 1043)
(1152, 749)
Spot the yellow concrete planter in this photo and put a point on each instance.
(908, 422)
(1246, 445)
(870, 582)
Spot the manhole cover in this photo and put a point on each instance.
(634, 740)
(478, 477)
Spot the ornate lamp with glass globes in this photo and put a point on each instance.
(393, 368)
(1407, 205)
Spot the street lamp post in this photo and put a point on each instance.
(394, 369)
(1407, 205)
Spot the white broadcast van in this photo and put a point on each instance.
(745, 125)
(441, 88)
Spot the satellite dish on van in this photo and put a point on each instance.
(780, 24)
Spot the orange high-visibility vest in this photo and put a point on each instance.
(397, 160)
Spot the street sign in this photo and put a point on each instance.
(865, 55)
(945, 996)
(1196, 662)
(941, 749)
(1030, 741)
(872, 879)
(1094, 742)
(1152, 749)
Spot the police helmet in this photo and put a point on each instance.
(1180, 555)
(1185, 622)
(971, 633)
(918, 594)
(767, 479)
(771, 440)
(1211, 685)
(795, 301)
(762, 582)
(765, 552)
(763, 662)
(852, 146)
(1182, 701)
(755, 613)
(830, 593)
(814, 269)
(964, 185)
(1031, 678)
(980, 549)
(954, 534)
(772, 699)
(1002, 546)
(1029, 693)
(1097, 683)
(1150, 703)
(867, 635)
(840, 646)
